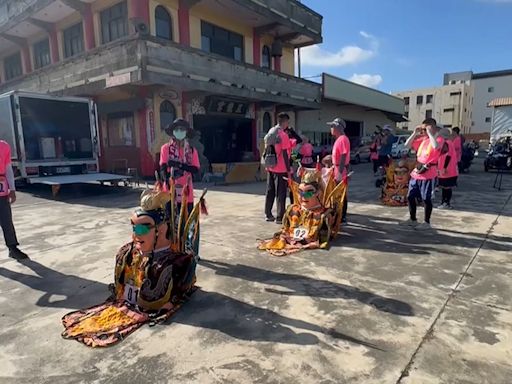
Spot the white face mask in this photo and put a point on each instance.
(179, 134)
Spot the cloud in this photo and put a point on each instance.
(367, 80)
(315, 56)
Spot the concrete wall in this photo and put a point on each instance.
(316, 121)
(502, 88)
(450, 106)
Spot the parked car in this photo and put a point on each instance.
(361, 152)
(500, 155)
(399, 149)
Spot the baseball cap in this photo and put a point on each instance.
(338, 122)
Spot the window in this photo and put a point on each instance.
(428, 114)
(448, 110)
(167, 114)
(120, 130)
(487, 119)
(114, 22)
(406, 114)
(267, 122)
(430, 98)
(455, 93)
(42, 53)
(419, 100)
(265, 57)
(490, 89)
(221, 41)
(163, 23)
(12, 66)
(406, 100)
(73, 40)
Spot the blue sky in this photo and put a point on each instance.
(396, 45)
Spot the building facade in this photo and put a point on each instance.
(227, 66)
(487, 86)
(361, 107)
(449, 104)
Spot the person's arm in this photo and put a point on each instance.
(433, 139)
(295, 136)
(9, 174)
(414, 135)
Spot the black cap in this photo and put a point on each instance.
(284, 116)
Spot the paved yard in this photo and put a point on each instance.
(384, 305)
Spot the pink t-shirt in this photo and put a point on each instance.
(452, 169)
(341, 147)
(426, 154)
(283, 145)
(457, 144)
(186, 179)
(5, 161)
(306, 152)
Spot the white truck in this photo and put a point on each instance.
(54, 140)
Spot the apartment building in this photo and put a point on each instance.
(227, 66)
(450, 105)
(487, 86)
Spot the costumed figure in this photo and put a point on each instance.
(396, 186)
(315, 217)
(154, 273)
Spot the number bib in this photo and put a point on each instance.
(130, 294)
(4, 187)
(299, 233)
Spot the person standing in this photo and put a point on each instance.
(457, 143)
(340, 157)
(427, 143)
(385, 146)
(306, 153)
(374, 150)
(448, 170)
(277, 143)
(7, 198)
(179, 161)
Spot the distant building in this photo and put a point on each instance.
(361, 107)
(450, 105)
(486, 86)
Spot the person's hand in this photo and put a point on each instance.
(12, 197)
(418, 130)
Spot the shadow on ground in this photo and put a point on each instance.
(298, 285)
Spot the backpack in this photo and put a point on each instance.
(271, 139)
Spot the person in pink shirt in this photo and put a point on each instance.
(448, 170)
(179, 161)
(278, 173)
(457, 143)
(427, 143)
(306, 153)
(8, 197)
(340, 156)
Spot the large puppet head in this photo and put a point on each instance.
(149, 221)
(311, 190)
(401, 173)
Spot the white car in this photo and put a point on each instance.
(399, 149)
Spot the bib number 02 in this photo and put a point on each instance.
(299, 233)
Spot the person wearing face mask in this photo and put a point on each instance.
(179, 161)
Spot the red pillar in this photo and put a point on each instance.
(256, 49)
(27, 64)
(184, 23)
(88, 24)
(255, 148)
(139, 9)
(277, 63)
(54, 45)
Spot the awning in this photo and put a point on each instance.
(500, 102)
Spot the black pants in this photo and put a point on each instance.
(383, 160)
(376, 165)
(446, 195)
(276, 190)
(6, 222)
(344, 209)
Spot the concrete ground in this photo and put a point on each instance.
(384, 305)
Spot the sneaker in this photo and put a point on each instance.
(16, 254)
(270, 218)
(423, 227)
(442, 206)
(409, 223)
(279, 221)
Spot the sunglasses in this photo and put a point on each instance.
(307, 194)
(142, 229)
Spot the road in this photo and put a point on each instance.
(384, 305)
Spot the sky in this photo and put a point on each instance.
(397, 45)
